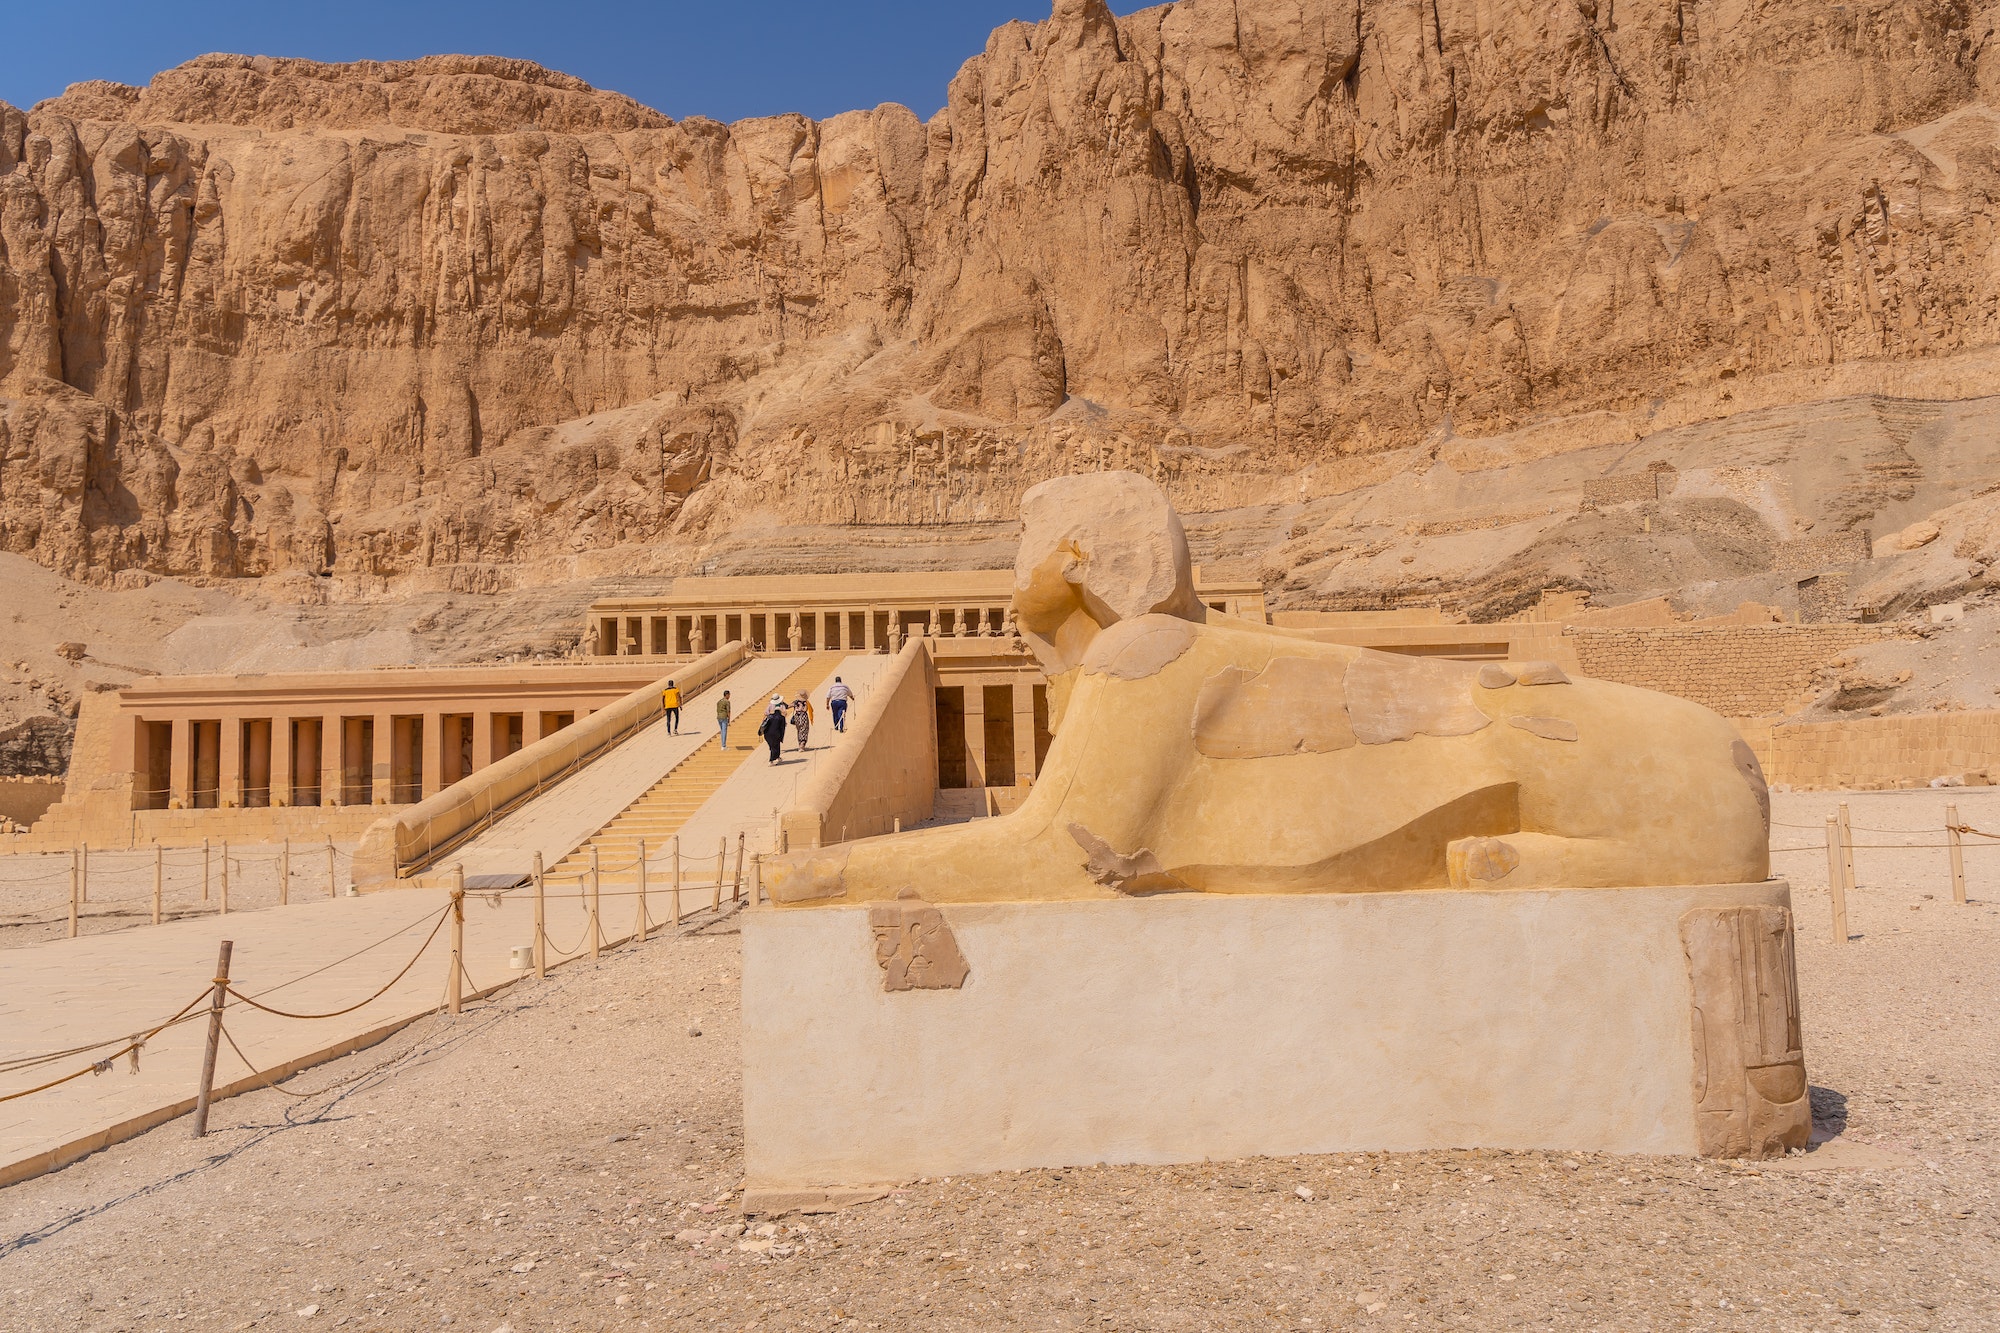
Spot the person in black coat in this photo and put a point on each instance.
(773, 731)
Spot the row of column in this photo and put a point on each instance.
(1024, 735)
(332, 759)
(874, 629)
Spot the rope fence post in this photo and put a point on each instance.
(1836, 886)
(595, 885)
(736, 884)
(332, 890)
(541, 924)
(457, 934)
(73, 893)
(159, 875)
(223, 908)
(639, 931)
(204, 869)
(83, 871)
(757, 878)
(1846, 850)
(721, 868)
(215, 1001)
(1951, 829)
(677, 881)
(285, 873)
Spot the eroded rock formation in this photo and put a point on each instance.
(387, 320)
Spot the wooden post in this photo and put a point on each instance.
(159, 867)
(1846, 848)
(677, 881)
(204, 869)
(285, 873)
(83, 872)
(721, 867)
(757, 878)
(736, 884)
(457, 934)
(1836, 884)
(215, 1000)
(541, 923)
(639, 931)
(223, 904)
(1953, 837)
(74, 893)
(594, 944)
(332, 890)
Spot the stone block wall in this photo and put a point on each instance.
(1877, 752)
(1817, 550)
(1739, 670)
(886, 771)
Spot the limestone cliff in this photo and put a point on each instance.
(424, 323)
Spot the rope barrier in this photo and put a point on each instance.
(442, 914)
(131, 1047)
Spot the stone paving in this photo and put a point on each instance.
(305, 958)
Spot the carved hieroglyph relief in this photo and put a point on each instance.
(1749, 1065)
(915, 948)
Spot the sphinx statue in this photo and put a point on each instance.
(1195, 752)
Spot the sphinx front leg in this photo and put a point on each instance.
(988, 860)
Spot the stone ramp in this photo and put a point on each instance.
(664, 810)
(725, 796)
(564, 817)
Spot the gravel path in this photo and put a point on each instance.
(564, 1158)
(35, 887)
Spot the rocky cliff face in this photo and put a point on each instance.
(427, 323)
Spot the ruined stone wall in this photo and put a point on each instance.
(1739, 671)
(1817, 550)
(1877, 752)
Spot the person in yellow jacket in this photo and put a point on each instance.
(670, 703)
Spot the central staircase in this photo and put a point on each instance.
(669, 803)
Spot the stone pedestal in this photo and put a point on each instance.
(888, 1041)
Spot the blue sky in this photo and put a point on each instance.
(715, 59)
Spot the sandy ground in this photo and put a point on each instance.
(565, 1157)
(35, 888)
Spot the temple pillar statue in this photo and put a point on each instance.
(975, 735)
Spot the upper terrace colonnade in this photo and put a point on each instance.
(827, 612)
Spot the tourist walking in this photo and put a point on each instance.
(838, 697)
(722, 719)
(773, 728)
(802, 717)
(670, 703)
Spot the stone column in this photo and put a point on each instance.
(482, 739)
(432, 748)
(257, 746)
(975, 735)
(281, 761)
(229, 766)
(1024, 732)
(332, 760)
(382, 762)
(180, 765)
(306, 760)
(874, 639)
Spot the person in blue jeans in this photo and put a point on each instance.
(722, 719)
(838, 697)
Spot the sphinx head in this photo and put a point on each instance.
(1096, 549)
